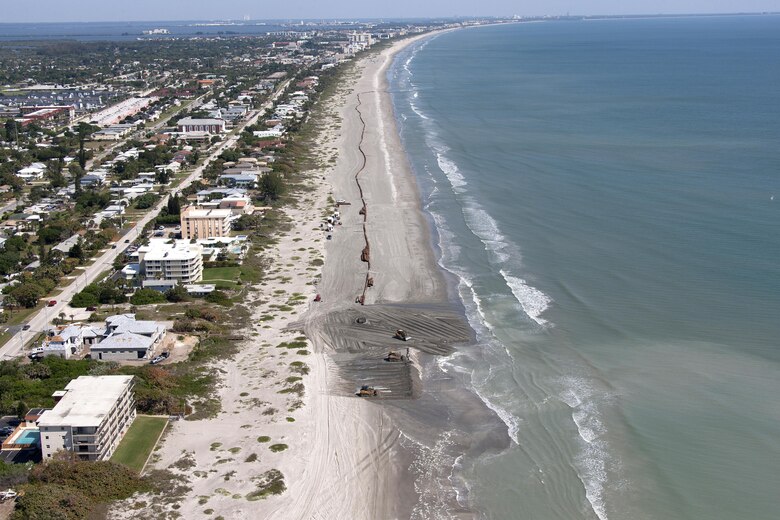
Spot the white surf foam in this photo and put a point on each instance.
(593, 458)
(450, 169)
(512, 421)
(385, 152)
(418, 111)
(533, 301)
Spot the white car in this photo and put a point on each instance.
(8, 494)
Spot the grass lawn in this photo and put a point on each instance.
(139, 441)
(228, 274)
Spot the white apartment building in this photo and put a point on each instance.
(205, 223)
(211, 126)
(176, 260)
(92, 415)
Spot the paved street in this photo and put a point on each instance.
(39, 321)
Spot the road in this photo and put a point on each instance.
(39, 322)
(10, 206)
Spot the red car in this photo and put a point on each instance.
(52, 303)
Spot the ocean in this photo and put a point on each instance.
(606, 196)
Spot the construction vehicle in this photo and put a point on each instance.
(367, 391)
(394, 357)
(401, 334)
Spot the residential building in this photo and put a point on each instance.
(91, 416)
(70, 340)
(123, 347)
(200, 289)
(34, 172)
(205, 223)
(239, 180)
(171, 260)
(211, 126)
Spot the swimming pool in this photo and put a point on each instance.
(28, 436)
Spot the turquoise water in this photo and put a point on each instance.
(604, 192)
(28, 437)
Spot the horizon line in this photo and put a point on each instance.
(416, 18)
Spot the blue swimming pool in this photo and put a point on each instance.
(29, 436)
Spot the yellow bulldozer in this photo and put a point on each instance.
(401, 334)
(367, 391)
(394, 357)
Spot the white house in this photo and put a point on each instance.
(31, 173)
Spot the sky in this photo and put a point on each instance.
(142, 10)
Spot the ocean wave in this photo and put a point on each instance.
(511, 421)
(593, 458)
(452, 172)
(533, 301)
(418, 111)
(429, 468)
(487, 230)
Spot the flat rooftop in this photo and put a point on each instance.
(193, 212)
(87, 401)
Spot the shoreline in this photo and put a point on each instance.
(440, 420)
(288, 398)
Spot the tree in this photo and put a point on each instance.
(147, 297)
(27, 294)
(83, 130)
(21, 409)
(41, 249)
(54, 173)
(77, 172)
(77, 251)
(11, 130)
(174, 205)
(272, 185)
(146, 201)
(163, 176)
(176, 294)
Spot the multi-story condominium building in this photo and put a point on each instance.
(205, 223)
(171, 260)
(211, 126)
(91, 416)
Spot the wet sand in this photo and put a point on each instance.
(422, 419)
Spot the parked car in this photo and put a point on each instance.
(162, 357)
(91, 309)
(8, 494)
(127, 241)
(52, 303)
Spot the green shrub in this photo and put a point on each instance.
(47, 502)
(147, 297)
(269, 483)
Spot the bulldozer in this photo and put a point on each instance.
(401, 334)
(394, 357)
(367, 391)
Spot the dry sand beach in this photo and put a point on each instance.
(341, 456)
